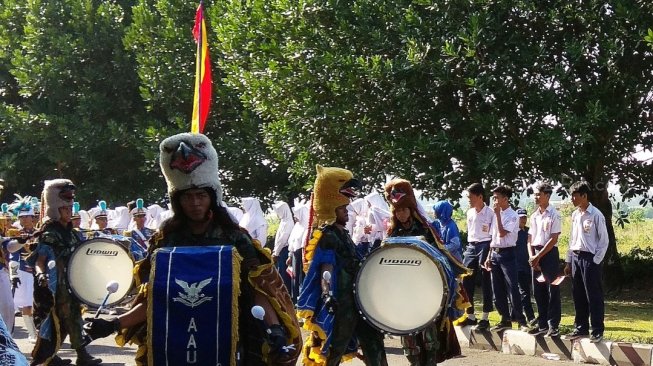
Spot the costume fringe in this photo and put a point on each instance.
(235, 310)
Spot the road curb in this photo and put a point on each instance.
(580, 350)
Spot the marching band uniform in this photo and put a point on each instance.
(56, 242)
(102, 224)
(76, 220)
(6, 298)
(329, 308)
(257, 277)
(437, 342)
(139, 235)
(24, 284)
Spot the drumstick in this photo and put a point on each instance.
(112, 287)
(326, 276)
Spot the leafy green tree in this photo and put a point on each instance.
(450, 93)
(78, 112)
(161, 40)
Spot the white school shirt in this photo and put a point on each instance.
(510, 222)
(479, 224)
(543, 225)
(588, 233)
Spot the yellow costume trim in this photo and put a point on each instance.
(235, 310)
(349, 356)
(309, 252)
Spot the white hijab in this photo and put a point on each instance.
(120, 219)
(151, 220)
(236, 214)
(300, 229)
(254, 220)
(85, 220)
(285, 226)
(358, 220)
(378, 216)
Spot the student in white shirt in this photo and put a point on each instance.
(479, 223)
(502, 261)
(543, 234)
(587, 246)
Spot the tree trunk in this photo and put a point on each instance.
(611, 263)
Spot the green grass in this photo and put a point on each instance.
(624, 320)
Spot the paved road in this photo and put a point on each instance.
(117, 356)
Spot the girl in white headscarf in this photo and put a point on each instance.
(296, 246)
(377, 219)
(358, 215)
(152, 217)
(236, 213)
(280, 251)
(254, 220)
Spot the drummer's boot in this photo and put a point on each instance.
(85, 359)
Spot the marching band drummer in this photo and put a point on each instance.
(190, 166)
(438, 341)
(56, 242)
(327, 302)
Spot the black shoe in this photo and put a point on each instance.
(58, 361)
(483, 325)
(596, 338)
(504, 324)
(577, 334)
(538, 331)
(85, 359)
(553, 333)
(468, 322)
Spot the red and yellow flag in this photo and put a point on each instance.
(202, 99)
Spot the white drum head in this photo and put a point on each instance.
(93, 265)
(400, 289)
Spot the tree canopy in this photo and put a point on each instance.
(441, 93)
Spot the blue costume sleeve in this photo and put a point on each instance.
(310, 305)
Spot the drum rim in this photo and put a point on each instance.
(389, 330)
(76, 294)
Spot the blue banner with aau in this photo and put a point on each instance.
(193, 306)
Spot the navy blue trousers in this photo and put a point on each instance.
(473, 258)
(282, 266)
(525, 280)
(547, 297)
(588, 293)
(298, 266)
(504, 285)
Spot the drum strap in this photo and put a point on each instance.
(138, 232)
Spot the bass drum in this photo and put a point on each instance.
(93, 265)
(401, 287)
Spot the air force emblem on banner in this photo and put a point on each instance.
(193, 295)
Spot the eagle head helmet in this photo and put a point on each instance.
(188, 160)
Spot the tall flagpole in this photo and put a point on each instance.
(200, 63)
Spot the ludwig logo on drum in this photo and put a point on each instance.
(400, 262)
(102, 252)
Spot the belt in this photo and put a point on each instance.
(578, 252)
(480, 242)
(499, 250)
